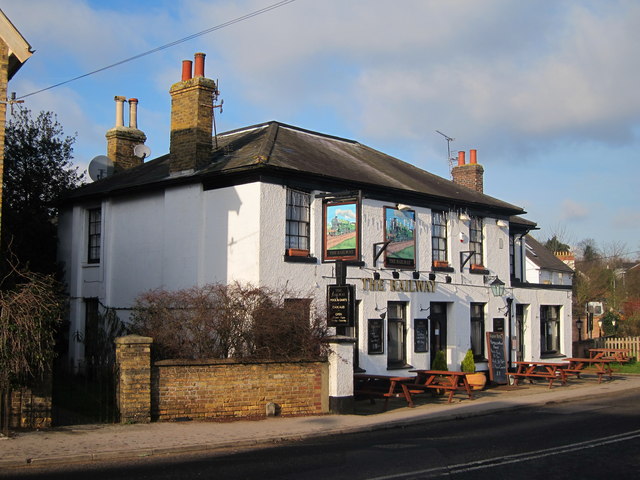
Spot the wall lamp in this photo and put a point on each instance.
(432, 276)
(402, 206)
(376, 275)
(496, 285)
(416, 275)
(502, 223)
(395, 274)
(464, 217)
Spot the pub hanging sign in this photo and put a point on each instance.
(340, 305)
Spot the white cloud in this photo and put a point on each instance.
(572, 210)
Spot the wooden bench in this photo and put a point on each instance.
(620, 355)
(382, 386)
(603, 367)
(543, 370)
(450, 381)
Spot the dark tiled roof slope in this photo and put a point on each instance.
(280, 147)
(544, 258)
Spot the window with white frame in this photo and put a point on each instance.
(475, 241)
(439, 237)
(94, 229)
(396, 334)
(297, 229)
(477, 330)
(549, 329)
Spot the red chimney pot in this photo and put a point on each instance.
(460, 158)
(199, 69)
(186, 69)
(473, 156)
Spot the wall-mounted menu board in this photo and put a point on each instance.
(375, 335)
(497, 357)
(420, 335)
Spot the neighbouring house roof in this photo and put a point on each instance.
(282, 151)
(543, 257)
(19, 48)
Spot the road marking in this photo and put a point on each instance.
(519, 457)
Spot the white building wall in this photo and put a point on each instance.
(185, 236)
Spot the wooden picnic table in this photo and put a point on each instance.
(620, 355)
(382, 386)
(549, 371)
(451, 381)
(603, 366)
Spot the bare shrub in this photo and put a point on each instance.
(228, 321)
(29, 314)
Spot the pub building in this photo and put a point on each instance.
(406, 262)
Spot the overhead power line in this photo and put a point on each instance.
(168, 45)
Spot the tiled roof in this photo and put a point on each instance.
(544, 258)
(276, 147)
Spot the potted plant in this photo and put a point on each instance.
(439, 361)
(476, 380)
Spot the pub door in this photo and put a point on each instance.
(520, 332)
(437, 328)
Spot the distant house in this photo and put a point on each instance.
(278, 205)
(544, 267)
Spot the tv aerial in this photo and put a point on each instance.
(141, 151)
(449, 140)
(100, 167)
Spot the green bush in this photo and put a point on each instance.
(468, 364)
(439, 362)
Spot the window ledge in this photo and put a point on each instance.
(553, 355)
(443, 269)
(479, 271)
(296, 259)
(399, 367)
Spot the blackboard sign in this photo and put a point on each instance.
(340, 305)
(375, 335)
(497, 357)
(420, 335)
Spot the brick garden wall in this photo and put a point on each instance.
(231, 390)
(30, 407)
(217, 389)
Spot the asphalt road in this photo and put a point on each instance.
(595, 438)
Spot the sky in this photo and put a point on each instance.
(546, 91)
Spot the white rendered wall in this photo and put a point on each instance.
(185, 236)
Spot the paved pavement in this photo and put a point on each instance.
(87, 443)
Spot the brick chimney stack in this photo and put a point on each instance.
(122, 140)
(470, 175)
(192, 118)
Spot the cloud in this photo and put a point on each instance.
(506, 71)
(626, 219)
(572, 210)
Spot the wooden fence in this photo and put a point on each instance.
(630, 343)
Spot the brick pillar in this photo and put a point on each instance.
(191, 138)
(133, 359)
(470, 175)
(341, 374)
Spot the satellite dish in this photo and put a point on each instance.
(141, 151)
(100, 167)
